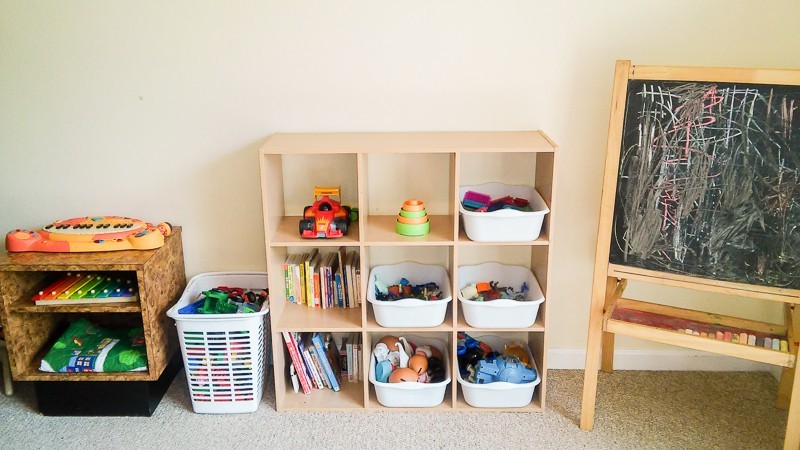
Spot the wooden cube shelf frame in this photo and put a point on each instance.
(376, 172)
(31, 329)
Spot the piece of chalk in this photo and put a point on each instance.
(688, 331)
(743, 338)
(720, 335)
(703, 334)
(776, 344)
(759, 342)
(728, 336)
(768, 342)
(735, 338)
(751, 340)
(784, 346)
(696, 333)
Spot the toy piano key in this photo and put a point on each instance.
(52, 287)
(72, 280)
(104, 282)
(129, 292)
(90, 234)
(84, 290)
(74, 288)
(107, 289)
(122, 291)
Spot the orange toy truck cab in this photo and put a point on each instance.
(327, 217)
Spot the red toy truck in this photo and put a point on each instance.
(326, 218)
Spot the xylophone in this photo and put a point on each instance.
(90, 234)
(82, 287)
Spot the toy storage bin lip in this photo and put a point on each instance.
(497, 189)
(392, 389)
(404, 312)
(501, 313)
(500, 303)
(208, 280)
(502, 388)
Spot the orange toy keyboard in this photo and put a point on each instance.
(90, 234)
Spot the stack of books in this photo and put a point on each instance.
(331, 280)
(318, 363)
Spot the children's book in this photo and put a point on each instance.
(287, 280)
(330, 268)
(357, 273)
(341, 272)
(334, 358)
(297, 361)
(309, 277)
(302, 347)
(322, 355)
(343, 359)
(358, 358)
(351, 363)
(293, 376)
(315, 358)
(337, 281)
(312, 273)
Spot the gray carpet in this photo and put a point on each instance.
(662, 410)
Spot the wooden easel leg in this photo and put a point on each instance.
(792, 439)
(607, 353)
(593, 347)
(785, 388)
(787, 377)
(788, 390)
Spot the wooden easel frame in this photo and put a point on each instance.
(610, 280)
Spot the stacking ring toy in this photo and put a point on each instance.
(405, 213)
(413, 205)
(413, 219)
(413, 230)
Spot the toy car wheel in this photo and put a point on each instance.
(341, 224)
(306, 225)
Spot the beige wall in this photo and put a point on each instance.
(155, 109)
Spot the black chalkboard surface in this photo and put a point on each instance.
(708, 181)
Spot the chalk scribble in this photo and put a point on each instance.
(708, 182)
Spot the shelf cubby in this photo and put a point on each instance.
(535, 341)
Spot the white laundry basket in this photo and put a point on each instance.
(223, 354)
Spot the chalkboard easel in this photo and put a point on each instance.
(701, 191)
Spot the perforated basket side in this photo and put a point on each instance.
(224, 367)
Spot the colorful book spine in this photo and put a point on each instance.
(291, 345)
(323, 360)
(287, 279)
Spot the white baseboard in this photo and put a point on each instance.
(575, 358)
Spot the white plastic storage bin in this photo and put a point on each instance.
(409, 312)
(413, 394)
(504, 225)
(223, 354)
(501, 313)
(500, 394)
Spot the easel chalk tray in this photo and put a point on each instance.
(90, 234)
